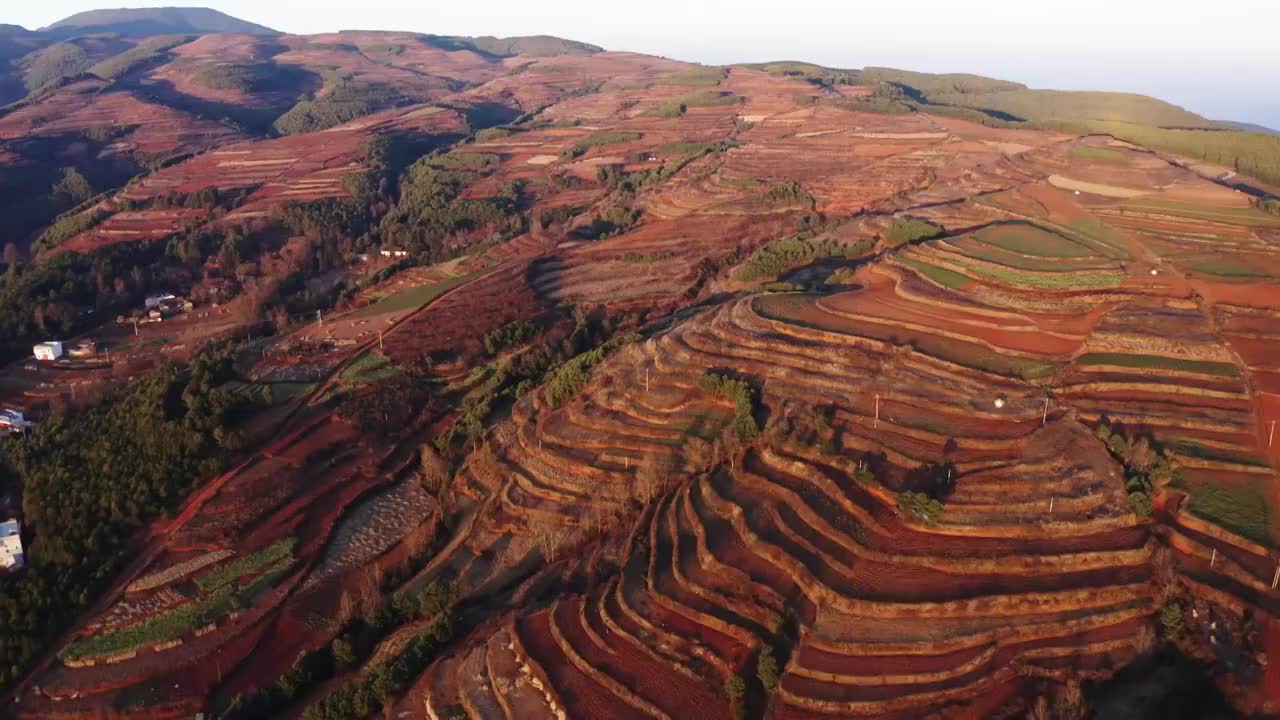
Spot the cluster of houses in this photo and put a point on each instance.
(56, 350)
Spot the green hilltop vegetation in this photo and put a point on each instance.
(151, 49)
(143, 22)
(1047, 106)
(534, 45)
(1127, 116)
(48, 65)
(928, 84)
(348, 100)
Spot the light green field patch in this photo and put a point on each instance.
(971, 247)
(1243, 216)
(1087, 152)
(1238, 507)
(1057, 281)
(369, 368)
(942, 276)
(1030, 240)
(1227, 267)
(1160, 362)
(410, 299)
(1098, 234)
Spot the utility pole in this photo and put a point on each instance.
(135, 327)
(877, 425)
(1045, 419)
(1214, 558)
(1276, 580)
(646, 383)
(320, 318)
(379, 340)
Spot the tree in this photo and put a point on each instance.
(435, 471)
(73, 187)
(767, 668)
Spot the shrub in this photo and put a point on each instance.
(906, 230)
(509, 336)
(570, 377)
(744, 402)
(348, 100)
(779, 256)
(767, 668)
(489, 134)
(1171, 621)
(921, 507)
(67, 227)
(49, 65)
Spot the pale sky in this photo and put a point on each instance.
(1220, 58)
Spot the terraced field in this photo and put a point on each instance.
(935, 476)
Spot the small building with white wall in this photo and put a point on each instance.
(51, 350)
(11, 555)
(14, 421)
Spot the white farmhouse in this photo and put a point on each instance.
(51, 350)
(14, 421)
(11, 556)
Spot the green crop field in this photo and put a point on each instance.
(1227, 267)
(1086, 152)
(410, 299)
(1244, 216)
(220, 592)
(1101, 236)
(1059, 281)
(1031, 240)
(942, 276)
(369, 368)
(1240, 508)
(970, 247)
(1160, 362)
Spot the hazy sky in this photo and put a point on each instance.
(1220, 58)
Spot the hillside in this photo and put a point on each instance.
(515, 378)
(142, 22)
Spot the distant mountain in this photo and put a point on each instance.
(1250, 127)
(143, 22)
(16, 41)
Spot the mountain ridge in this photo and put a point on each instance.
(140, 22)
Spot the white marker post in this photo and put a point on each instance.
(877, 411)
(1214, 558)
(1272, 437)
(646, 381)
(1045, 419)
(1051, 505)
(1276, 580)
(379, 340)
